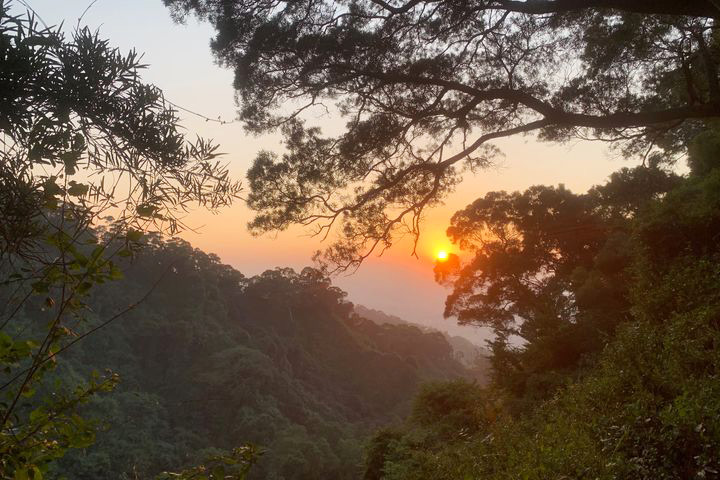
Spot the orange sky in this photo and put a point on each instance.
(181, 64)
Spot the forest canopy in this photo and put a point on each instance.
(606, 312)
(213, 360)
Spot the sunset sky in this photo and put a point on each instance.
(180, 62)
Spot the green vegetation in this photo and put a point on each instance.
(211, 359)
(474, 357)
(77, 125)
(606, 309)
(605, 306)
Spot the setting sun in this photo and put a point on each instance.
(442, 255)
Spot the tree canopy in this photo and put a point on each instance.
(213, 359)
(82, 132)
(426, 86)
(606, 308)
(547, 272)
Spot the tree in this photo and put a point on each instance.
(445, 416)
(78, 127)
(547, 273)
(426, 86)
(647, 407)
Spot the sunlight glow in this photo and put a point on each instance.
(442, 255)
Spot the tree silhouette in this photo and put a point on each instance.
(547, 273)
(425, 86)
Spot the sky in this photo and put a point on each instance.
(181, 64)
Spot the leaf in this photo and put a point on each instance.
(70, 160)
(21, 474)
(218, 473)
(77, 189)
(41, 286)
(79, 142)
(28, 391)
(134, 235)
(146, 210)
(36, 41)
(97, 253)
(37, 415)
(50, 188)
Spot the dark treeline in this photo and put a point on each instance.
(211, 360)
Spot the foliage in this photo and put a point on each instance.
(426, 86)
(78, 126)
(646, 405)
(234, 466)
(444, 417)
(548, 274)
(212, 359)
(51, 429)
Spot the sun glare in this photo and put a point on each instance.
(442, 255)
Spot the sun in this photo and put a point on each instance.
(442, 255)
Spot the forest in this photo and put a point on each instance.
(126, 353)
(212, 357)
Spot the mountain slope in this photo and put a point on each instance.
(466, 352)
(214, 360)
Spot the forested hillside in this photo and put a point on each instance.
(473, 356)
(211, 359)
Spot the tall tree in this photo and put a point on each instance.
(425, 86)
(547, 273)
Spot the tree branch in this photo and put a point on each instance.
(699, 8)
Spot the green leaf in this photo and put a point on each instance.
(218, 473)
(27, 391)
(97, 252)
(21, 474)
(37, 415)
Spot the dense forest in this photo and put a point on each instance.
(212, 359)
(473, 356)
(613, 370)
(126, 353)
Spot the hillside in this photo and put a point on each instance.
(214, 360)
(466, 352)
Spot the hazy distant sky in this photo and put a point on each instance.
(180, 62)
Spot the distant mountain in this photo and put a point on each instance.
(381, 318)
(468, 353)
